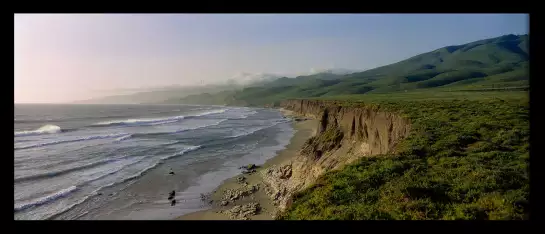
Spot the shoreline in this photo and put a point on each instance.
(253, 183)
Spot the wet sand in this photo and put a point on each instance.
(303, 130)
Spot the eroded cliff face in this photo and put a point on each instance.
(344, 134)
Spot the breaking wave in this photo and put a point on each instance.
(186, 150)
(46, 199)
(154, 121)
(130, 122)
(244, 115)
(246, 133)
(70, 140)
(123, 138)
(181, 130)
(134, 176)
(46, 129)
(65, 171)
(64, 192)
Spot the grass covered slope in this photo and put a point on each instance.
(466, 158)
(492, 63)
(499, 51)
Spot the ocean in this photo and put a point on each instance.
(102, 162)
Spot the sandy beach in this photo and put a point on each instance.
(304, 129)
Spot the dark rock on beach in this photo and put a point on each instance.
(206, 197)
(249, 171)
(171, 195)
(249, 167)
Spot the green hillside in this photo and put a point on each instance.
(466, 158)
(492, 63)
(468, 154)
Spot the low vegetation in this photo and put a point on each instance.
(466, 158)
(326, 141)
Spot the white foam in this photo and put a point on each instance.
(46, 199)
(71, 140)
(188, 149)
(201, 126)
(74, 168)
(245, 115)
(164, 122)
(245, 133)
(211, 112)
(136, 175)
(141, 121)
(155, 164)
(46, 129)
(185, 128)
(123, 138)
(112, 170)
(155, 121)
(70, 206)
(81, 215)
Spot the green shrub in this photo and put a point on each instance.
(464, 159)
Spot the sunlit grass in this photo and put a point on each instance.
(466, 158)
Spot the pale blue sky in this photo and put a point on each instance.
(62, 58)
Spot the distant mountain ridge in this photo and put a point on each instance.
(159, 96)
(490, 63)
(174, 93)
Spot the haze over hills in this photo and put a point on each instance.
(155, 96)
(245, 78)
(491, 63)
(236, 82)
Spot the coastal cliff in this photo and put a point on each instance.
(344, 134)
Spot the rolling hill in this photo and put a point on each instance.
(500, 62)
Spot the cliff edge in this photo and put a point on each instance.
(345, 134)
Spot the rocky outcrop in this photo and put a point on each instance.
(344, 134)
(235, 194)
(243, 212)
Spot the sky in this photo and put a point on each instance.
(68, 57)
